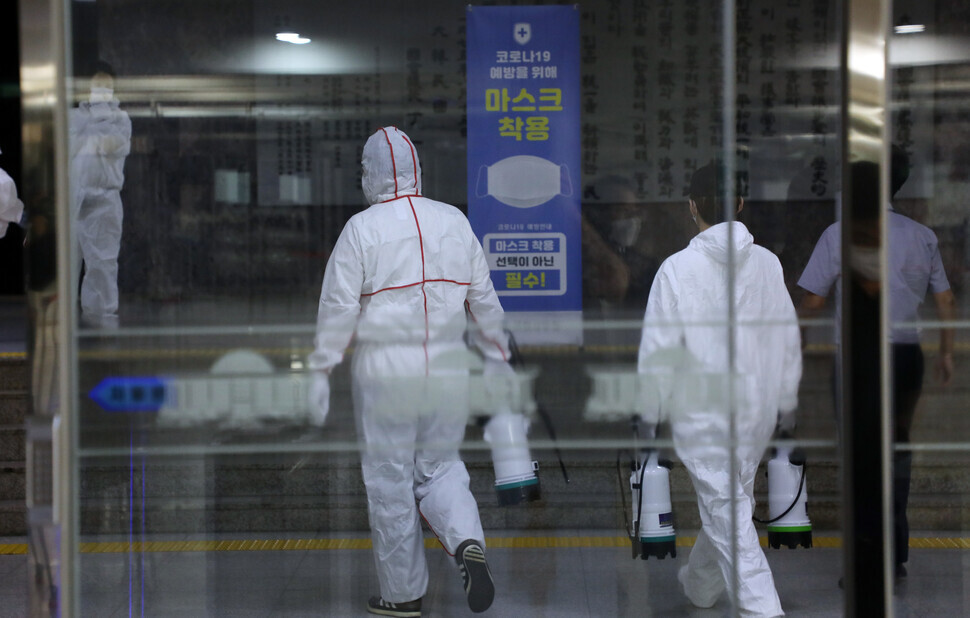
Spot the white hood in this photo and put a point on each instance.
(713, 242)
(391, 166)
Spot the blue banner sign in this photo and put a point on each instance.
(130, 394)
(524, 152)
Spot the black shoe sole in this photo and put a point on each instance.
(374, 607)
(380, 611)
(480, 587)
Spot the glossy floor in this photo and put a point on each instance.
(541, 580)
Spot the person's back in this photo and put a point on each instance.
(404, 274)
(686, 353)
(417, 265)
(765, 338)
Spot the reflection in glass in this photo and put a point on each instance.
(100, 140)
(915, 269)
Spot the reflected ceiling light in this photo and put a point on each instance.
(291, 37)
(910, 29)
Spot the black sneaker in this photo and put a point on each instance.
(476, 576)
(410, 609)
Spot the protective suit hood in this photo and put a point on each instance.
(713, 242)
(391, 167)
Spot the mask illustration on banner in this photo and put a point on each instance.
(523, 181)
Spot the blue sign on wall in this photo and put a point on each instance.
(131, 394)
(524, 152)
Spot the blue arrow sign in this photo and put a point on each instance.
(130, 394)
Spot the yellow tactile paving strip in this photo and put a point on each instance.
(537, 542)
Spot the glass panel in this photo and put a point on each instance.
(231, 141)
(927, 258)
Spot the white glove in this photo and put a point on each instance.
(502, 385)
(318, 397)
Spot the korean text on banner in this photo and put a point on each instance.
(524, 152)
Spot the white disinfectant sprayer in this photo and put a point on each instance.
(509, 396)
(515, 471)
(652, 532)
(788, 522)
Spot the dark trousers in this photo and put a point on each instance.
(908, 372)
(908, 369)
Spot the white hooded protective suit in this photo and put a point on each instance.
(100, 139)
(403, 273)
(11, 208)
(684, 364)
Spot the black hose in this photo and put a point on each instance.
(547, 421)
(619, 478)
(801, 484)
(643, 470)
(516, 361)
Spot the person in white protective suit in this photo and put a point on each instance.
(409, 275)
(684, 365)
(100, 139)
(11, 208)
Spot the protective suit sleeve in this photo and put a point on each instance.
(11, 208)
(318, 398)
(791, 371)
(76, 124)
(481, 302)
(117, 140)
(660, 347)
(339, 301)
(501, 386)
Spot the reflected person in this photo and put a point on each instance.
(11, 208)
(915, 268)
(100, 139)
(407, 274)
(684, 352)
(618, 262)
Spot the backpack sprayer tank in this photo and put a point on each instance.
(653, 531)
(515, 471)
(788, 522)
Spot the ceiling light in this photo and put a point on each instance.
(291, 37)
(910, 29)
